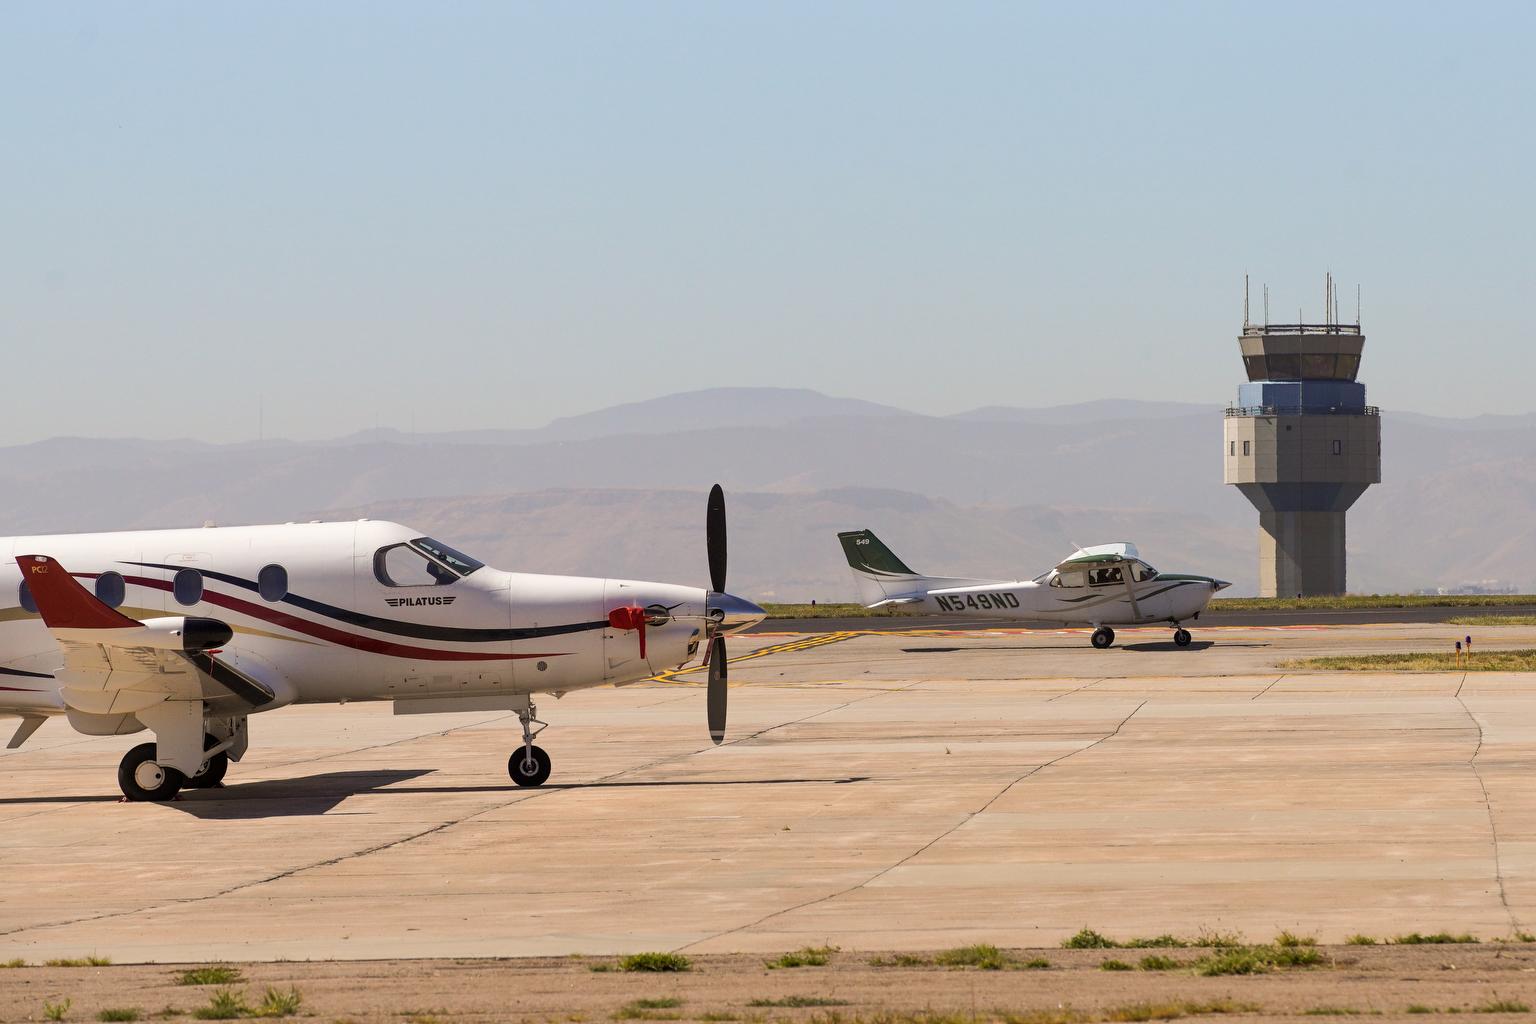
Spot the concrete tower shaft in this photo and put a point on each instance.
(1302, 446)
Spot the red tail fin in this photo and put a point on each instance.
(62, 601)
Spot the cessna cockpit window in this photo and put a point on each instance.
(1068, 579)
(458, 561)
(1104, 577)
(1141, 572)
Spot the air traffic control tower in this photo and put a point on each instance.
(1302, 445)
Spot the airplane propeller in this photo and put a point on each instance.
(714, 541)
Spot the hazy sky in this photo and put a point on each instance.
(445, 216)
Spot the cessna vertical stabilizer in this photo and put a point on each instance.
(187, 633)
(1101, 586)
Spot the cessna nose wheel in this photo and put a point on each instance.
(1103, 637)
(1181, 637)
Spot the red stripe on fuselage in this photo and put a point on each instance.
(339, 636)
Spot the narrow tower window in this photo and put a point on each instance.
(1245, 447)
(1338, 447)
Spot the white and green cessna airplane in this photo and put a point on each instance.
(1104, 585)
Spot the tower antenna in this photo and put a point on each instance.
(1357, 305)
(1266, 305)
(1245, 301)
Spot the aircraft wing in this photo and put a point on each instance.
(1099, 556)
(116, 665)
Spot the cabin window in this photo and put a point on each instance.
(1104, 577)
(401, 565)
(187, 587)
(24, 595)
(1070, 579)
(110, 589)
(272, 583)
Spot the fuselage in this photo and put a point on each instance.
(1076, 597)
(353, 611)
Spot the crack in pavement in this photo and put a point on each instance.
(1266, 689)
(1493, 827)
(971, 816)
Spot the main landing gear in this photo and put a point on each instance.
(144, 779)
(529, 765)
(1103, 637)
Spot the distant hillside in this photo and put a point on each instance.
(1457, 502)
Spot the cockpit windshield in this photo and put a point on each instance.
(458, 561)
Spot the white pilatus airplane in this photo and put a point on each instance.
(189, 632)
(1104, 585)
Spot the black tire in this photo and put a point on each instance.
(211, 774)
(1103, 637)
(519, 770)
(141, 779)
(1181, 637)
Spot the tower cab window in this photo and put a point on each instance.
(422, 562)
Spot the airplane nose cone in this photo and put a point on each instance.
(1219, 585)
(732, 614)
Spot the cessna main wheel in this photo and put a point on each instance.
(1103, 637)
(526, 771)
(1181, 637)
(142, 778)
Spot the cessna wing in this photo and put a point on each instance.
(118, 667)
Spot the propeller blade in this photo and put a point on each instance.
(717, 688)
(714, 538)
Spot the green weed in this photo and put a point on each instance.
(79, 961)
(810, 956)
(1164, 941)
(56, 1011)
(224, 1004)
(1038, 963)
(119, 1013)
(1497, 1005)
(985, 957)
(277, 1003)
(1420, 1008)
(796, 1002)
(1134, 1012)
(655, 962)
(1289, 940)
(1332, 1011)
(1115, 965)
(1359, 940)
(1087, 938)
(17, 962)
(1159, 963)
(900, 960)
(213, 974)
(1434, 939)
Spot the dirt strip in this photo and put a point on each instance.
(1391, 981)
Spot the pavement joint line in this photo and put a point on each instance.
(422, 834)
(1493, 827)
(926, 846)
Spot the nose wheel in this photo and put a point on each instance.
(1181, 637)
(529, 765)
(1103, 637)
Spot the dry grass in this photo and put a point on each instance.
(1492, 620)
(1480, 661)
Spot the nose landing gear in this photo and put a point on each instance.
(1103, 637)
(1181, 635)
(529, 765)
